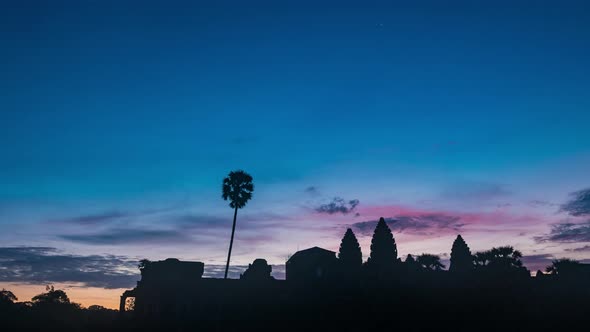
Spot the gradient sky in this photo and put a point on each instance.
(118, 123)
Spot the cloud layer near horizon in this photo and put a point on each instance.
(46, 265)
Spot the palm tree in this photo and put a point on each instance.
(237, 188)
(430, 262)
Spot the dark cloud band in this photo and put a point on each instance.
(42, 265)
(579, 203)
(567, 232)
(418, 224)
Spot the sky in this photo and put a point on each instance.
(119, 121)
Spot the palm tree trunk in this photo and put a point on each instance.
(231, 242)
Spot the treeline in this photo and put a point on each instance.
(52, 311)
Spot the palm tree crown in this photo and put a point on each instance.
(237, 188)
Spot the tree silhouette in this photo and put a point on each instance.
(350, 254)
(461, 258)
(430, 262)
(7, 297)
(560, 265)
(237, 188)
(500, 261)
(53, 296)
(383, 247)
(96, 307)
(505, 257)
(481, 258)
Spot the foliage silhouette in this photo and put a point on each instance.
(500, 264)
(52, 296)
(350, 254)
(430, 262)
(500, 257)
(558, 266)
(96, 307)
(461, 258)
(7, 297)
(237, 188)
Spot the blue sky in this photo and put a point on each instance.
(119, 121)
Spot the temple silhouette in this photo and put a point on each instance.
(317, 279)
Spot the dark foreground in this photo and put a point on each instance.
(410, 306)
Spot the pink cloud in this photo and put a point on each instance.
(464, 220)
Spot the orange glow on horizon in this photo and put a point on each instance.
(86, 296)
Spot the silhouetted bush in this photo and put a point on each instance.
(51, 297)
(7, 297)
(500, 265)
(258, 271)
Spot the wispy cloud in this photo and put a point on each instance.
(99, 218)
(312, 190)
(567, 232)
(41, 265)
(338, 205)
(475, 191)
(541, 203)
(128, 236)
(185, 228)
(580, 249)
(116, 215)
(579, 203)
(197, 221)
